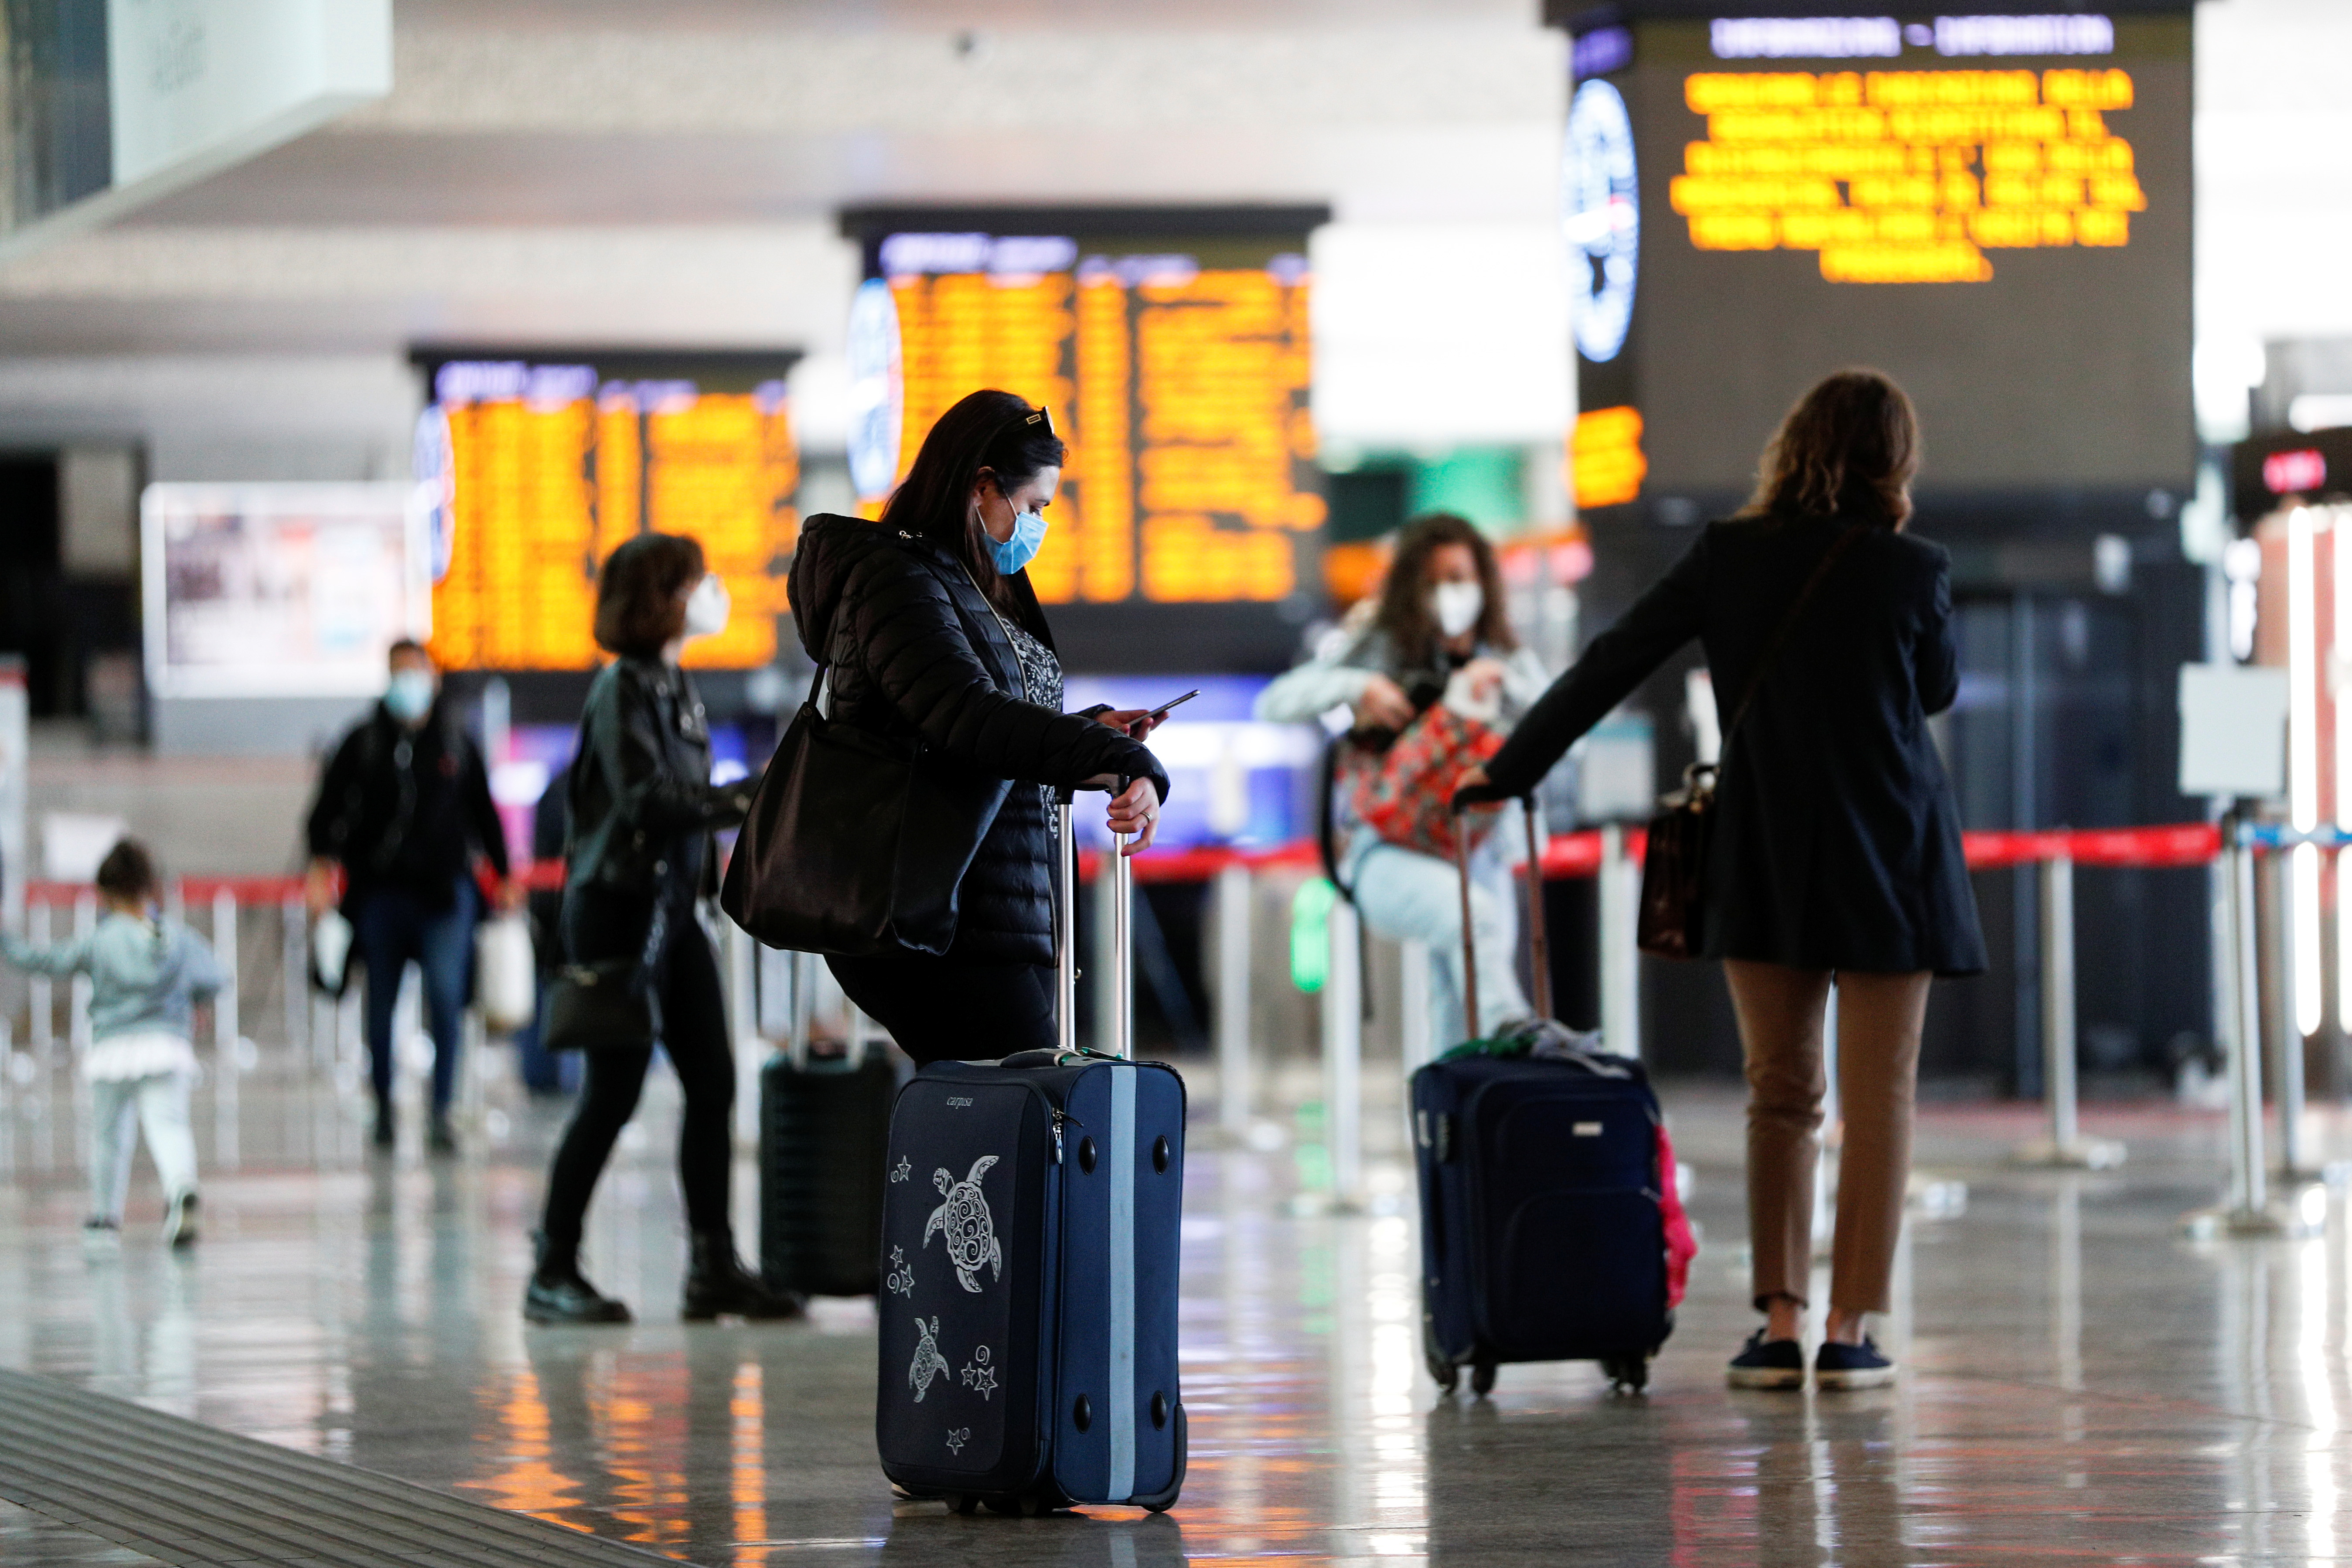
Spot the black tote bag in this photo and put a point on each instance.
(856, 842)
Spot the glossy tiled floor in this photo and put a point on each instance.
(2083, 1385)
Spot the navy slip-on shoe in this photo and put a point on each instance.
(1768, 1364)
(1852, 1367)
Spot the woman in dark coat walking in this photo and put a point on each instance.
(928, 629)
(1836, 852)
(638, 858)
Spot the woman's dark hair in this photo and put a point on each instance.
(1404, 612)
(127, 872)
(1849, 447)
(638, 607)
(992, 430)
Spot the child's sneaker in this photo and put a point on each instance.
(102, 1237)
(180, 1221)
(1768, 1364)
(1852, 1367)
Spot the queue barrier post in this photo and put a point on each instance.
(2285, 1032)
(226, 1031)
(1620, 896)
(1233, 895)
(2065, 1147)
(2249, 1209)
(1414, 1027)
(1343, 1049)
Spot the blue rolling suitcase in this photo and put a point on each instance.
(1029, 1259)
(1546, 1200)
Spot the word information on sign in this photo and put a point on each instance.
(1907, 177)
(547, 477)
(1182, 391)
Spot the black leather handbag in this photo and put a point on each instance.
(596, 1006)
(1673, 865)
(855, 842)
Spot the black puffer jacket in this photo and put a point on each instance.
(916, 650)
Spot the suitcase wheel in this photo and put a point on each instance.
(1627, 1374)
(960, 1502)
(1482, 1378)
(1010, 1507)
(1442, 1370)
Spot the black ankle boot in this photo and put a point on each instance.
(558, 1294)
(717, 1281)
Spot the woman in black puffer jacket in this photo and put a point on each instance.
(929, 625)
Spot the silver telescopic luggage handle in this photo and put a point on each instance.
(1065, 924)
(1121, 881)
(1539, 943)
(1117, 885)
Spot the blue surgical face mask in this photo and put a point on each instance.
(1028, 538)
(409, 697)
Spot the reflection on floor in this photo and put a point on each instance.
(2081, 1383)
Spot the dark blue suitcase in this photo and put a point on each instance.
(1543, 1203)
(1030, 1215)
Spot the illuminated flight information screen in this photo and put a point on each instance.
(1994, 209)
(1173, 349)
(542, 464)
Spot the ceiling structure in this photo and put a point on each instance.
(578, 170)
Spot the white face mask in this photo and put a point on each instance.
(707, 607)
(1457, 606)
(409, 697)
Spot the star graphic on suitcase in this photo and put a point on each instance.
(901, 1279)
(958, 1439)
(900, 1171)
(978, 1375)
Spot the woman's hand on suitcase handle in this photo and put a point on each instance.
(1135, 812)
(1475, 788)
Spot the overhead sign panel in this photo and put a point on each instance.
(1992, 208)
(113, 104)
(1175, 350)
(538, 465)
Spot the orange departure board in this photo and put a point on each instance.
(1992, 208)
(545, 464)
(1177, 364)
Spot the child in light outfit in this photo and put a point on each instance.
(146, 977)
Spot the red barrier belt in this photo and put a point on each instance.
(1568, 855)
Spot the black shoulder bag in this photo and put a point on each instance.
(855, 842)
(1674, 867)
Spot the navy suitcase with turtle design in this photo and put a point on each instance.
(1029, 1256)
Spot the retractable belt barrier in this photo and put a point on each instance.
(1613, 854)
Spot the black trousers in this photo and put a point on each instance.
(939, 1010)
(684, 973)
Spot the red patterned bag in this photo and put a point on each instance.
(1408, 798)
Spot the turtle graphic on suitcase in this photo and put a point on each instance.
(972, 1230)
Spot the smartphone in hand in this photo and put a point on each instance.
(1162, 712)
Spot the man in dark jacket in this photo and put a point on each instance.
(404, 808)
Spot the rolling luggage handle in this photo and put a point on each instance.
(1540, 946)
(1119, 880)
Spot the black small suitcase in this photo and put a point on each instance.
(1550, 1225)
(825, 1127)
(1027, 1320)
